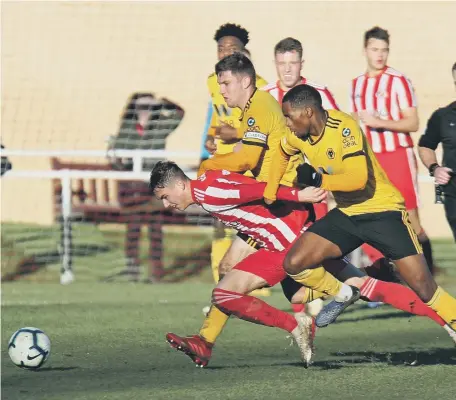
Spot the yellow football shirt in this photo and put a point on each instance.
(262, 124)
(342, 142)
(223, 113)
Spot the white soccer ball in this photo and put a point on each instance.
(29, 348)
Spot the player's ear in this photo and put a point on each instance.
(180, 184)
(309, 112)
(246, 82)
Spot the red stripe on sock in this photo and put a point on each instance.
(252, 309)
(399, 297)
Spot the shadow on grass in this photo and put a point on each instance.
(53, 369)
(437, 356)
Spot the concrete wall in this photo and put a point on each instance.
(67, 68)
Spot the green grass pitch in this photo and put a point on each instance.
(108, 343)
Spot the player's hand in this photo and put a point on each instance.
(268, 201)
(308, 176)
(311, 194)
(442, 175)
(210, 145)
(369, 119)
(226, 133)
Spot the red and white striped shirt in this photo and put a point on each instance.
(386, 95)
(326, 96)
(237, 201)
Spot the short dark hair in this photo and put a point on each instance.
(454, 67)
(163, 174)
(288, 44)
(232, 30)
(376, 33)
(303, 95)
(238, 64)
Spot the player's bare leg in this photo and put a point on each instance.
(237, 251)
(230, 296)
(302, 263)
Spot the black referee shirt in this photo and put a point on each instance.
(441, 128)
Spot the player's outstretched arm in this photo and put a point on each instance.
(244, 160)
(233, 190)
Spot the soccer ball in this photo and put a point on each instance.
(29, 348)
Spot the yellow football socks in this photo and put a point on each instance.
(320, 280)
(311, 295)
(444, 305)
(213, 324)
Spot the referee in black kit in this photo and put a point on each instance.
(441, 128)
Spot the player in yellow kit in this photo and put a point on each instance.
(223, 132)
(369, 208)
(263, 125)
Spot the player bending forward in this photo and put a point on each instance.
(236, 200)
(369, 208)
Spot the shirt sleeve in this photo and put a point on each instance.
(405, 93)
(281, 156)
(244, 160)
(230, 191)
(431, 137)
(354, 162)
(328, 101)
(259, 126)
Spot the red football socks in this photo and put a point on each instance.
(399, 297)
(252, 309)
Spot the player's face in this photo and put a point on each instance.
(376, 52)
(288, 66)
(173, 196)
(228, 45)
(231, 88)
(298, 119)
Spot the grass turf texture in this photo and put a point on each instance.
(108, 338)
(108, 343)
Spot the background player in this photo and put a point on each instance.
(369, 208)
(384, 101)
(223, 125)
(288, 60)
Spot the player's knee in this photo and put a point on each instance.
(225, 266)
(293, 263)
(299, 296)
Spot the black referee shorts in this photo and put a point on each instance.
(390, 232)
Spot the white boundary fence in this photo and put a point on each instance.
(66, 175)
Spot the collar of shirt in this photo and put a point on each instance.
(282, 92)
(195, 184)
(247, 106)
(376, 76)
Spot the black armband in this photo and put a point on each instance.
(432, 168)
